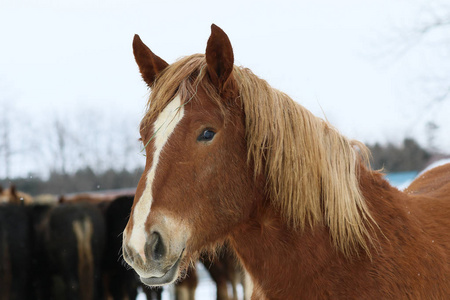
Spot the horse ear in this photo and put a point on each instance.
(150, 65)
(219, 57)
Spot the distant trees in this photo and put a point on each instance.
(409, 156)
(90, 139)
(5, 143)
(426, 38)
(59, 153)
(416, 49)
(10, 148)
(64, 143)
(83, 180)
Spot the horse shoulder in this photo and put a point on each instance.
(430, 193)
(415, 230)
(429, 196)
(434, 182)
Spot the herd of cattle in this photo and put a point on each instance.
(71, 249)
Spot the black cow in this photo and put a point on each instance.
(15, 253)
(69, 241)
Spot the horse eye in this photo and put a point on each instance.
(206, 136)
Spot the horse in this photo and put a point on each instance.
(69, 241)
(231, 159)
(12, 195)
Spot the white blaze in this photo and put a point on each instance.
(162, 129)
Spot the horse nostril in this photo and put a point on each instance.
(155, 247)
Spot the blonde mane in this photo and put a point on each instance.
(311, 169)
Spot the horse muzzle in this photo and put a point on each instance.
(170, 276)
(157, 256)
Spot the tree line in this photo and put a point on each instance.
(66, 143)
(83, 180)
(408, 156)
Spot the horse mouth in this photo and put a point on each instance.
(167, 278)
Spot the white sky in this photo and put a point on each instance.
(65, 55)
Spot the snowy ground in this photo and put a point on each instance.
(206, 289)
(436, 164)
(402, 180)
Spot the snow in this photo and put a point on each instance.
(435, 165)
(206, 288)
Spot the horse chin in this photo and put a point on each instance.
(167, 278)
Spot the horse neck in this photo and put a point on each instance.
(285, 263)
(276, 256)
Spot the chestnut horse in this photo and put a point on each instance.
(229, 158)
(12, 195)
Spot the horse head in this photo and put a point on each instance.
(197, 178)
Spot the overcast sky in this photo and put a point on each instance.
(330, 56)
